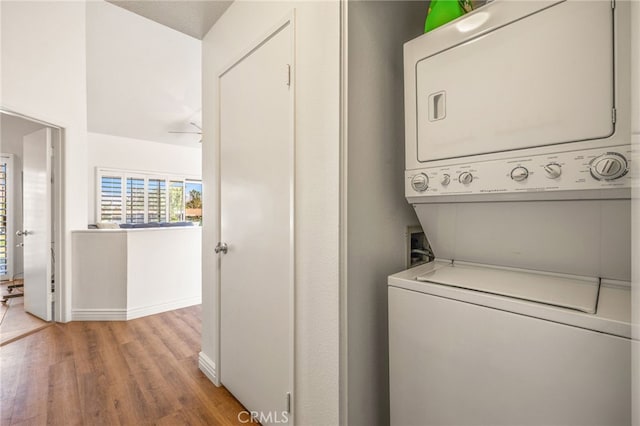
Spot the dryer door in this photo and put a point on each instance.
(542, 80)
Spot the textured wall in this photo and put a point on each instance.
(377, 213)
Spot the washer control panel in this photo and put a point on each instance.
(564, 171)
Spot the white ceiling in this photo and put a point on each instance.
(143, 78)
(194, 18)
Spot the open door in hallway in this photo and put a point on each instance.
(36, 230)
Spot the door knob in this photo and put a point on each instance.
(221, 248)
(23, 233)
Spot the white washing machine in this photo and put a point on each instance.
(517, 165)
(477, 345)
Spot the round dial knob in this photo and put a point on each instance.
(519, 174)
(609, 166)
(553, 170)
(420, 182)
(445, 180)
(465, 178)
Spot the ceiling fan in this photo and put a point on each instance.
(199, 132)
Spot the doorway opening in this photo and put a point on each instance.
(29, 231)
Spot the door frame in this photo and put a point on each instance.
(287, 20)
(57, 209)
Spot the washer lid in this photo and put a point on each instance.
(566, 291)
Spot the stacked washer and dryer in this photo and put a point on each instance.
(517, 160)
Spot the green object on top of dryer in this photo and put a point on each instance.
(442, 11)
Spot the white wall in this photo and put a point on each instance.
(317, 189)
(43, 76)
(124, 274)
(377, 212)
(113, 152)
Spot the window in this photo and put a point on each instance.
(134, 197)
(6, 207)
(193, 201)
(111, 199)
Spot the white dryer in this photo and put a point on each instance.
(517, 165)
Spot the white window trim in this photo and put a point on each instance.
(124, 174)
(8, 159)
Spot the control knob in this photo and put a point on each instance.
(445, 180)
(609, 166)
(553, 170)
(420, 182)
(465, 178)
(519, 174)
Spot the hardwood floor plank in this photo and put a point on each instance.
(60, 345)
(63, 400)
(130, 404)
(175, 335)
(192, 321)
(31, 395)
(177, 418)
(31, 421)
(120, 332)
(158, 398)
(11, 355)
(139, 372)
(95, 401)
(115, 364)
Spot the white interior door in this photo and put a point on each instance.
(256, 196)
(36, 223)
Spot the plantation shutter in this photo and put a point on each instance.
(135, 200)
(4, 268)
(157, 200)
(111, 199)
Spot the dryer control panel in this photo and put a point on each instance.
(590, 169)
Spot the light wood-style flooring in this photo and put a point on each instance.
(14, 321)
(137, 372)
